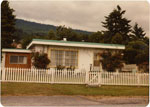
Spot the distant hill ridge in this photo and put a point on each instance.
(34, 27)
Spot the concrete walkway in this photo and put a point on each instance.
(72, 101)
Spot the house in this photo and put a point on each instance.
(16, 58)
(81, 55)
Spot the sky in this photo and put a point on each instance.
(84, 15)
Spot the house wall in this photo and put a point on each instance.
(40, 48)
(85, 58)
(7, 60)
(85, 55)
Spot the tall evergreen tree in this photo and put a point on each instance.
(138, 32)
(7, 25)
(116, 23)
(117, 39)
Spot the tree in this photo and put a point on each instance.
(51, 35)
(96, 37)
(8, 25)
(116, 23)
(64, 32)
(136, 52)
(85, 37)
(138, 32)
(26, 40)
(40, 60)
(111, 61)
(19, 34)
(61, 32)
(146, 40)
(117, 39)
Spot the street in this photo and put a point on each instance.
(73, 101)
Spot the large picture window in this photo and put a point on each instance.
(63, 57)
(18, 59)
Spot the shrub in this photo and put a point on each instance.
(60, 67)
(40, 60)
(144, 67)
(70, 68)
(111, 62)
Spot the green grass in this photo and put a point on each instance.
(16, 89)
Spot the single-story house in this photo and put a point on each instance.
(81, 55)
(16, 58)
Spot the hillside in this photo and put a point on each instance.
(33, 27)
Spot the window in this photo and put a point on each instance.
(18, 59)
(64, 58)
(70, 58)
(96, 59)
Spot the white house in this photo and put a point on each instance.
(81, 55)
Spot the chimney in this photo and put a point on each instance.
(64, 39)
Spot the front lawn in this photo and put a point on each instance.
(19, 89)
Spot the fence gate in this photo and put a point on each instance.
(94, 78)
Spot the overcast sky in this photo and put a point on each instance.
(85, 15)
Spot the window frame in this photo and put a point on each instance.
(18, 60)
(64, 55)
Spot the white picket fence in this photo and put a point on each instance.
(73, 77)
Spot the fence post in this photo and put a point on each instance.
(138, 79)
(53, 73)
(87, 77)
(99, 78)
(3, 74)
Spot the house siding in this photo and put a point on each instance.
(7, 60)
(85, 58)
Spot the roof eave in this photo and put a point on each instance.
(16, 51)
(29, 45)
(74, 45)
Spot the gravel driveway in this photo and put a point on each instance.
(73, 101)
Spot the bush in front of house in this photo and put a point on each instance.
(70, 68)
(60, 67)
(40, 61)
(144, 67)
(111, 62)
